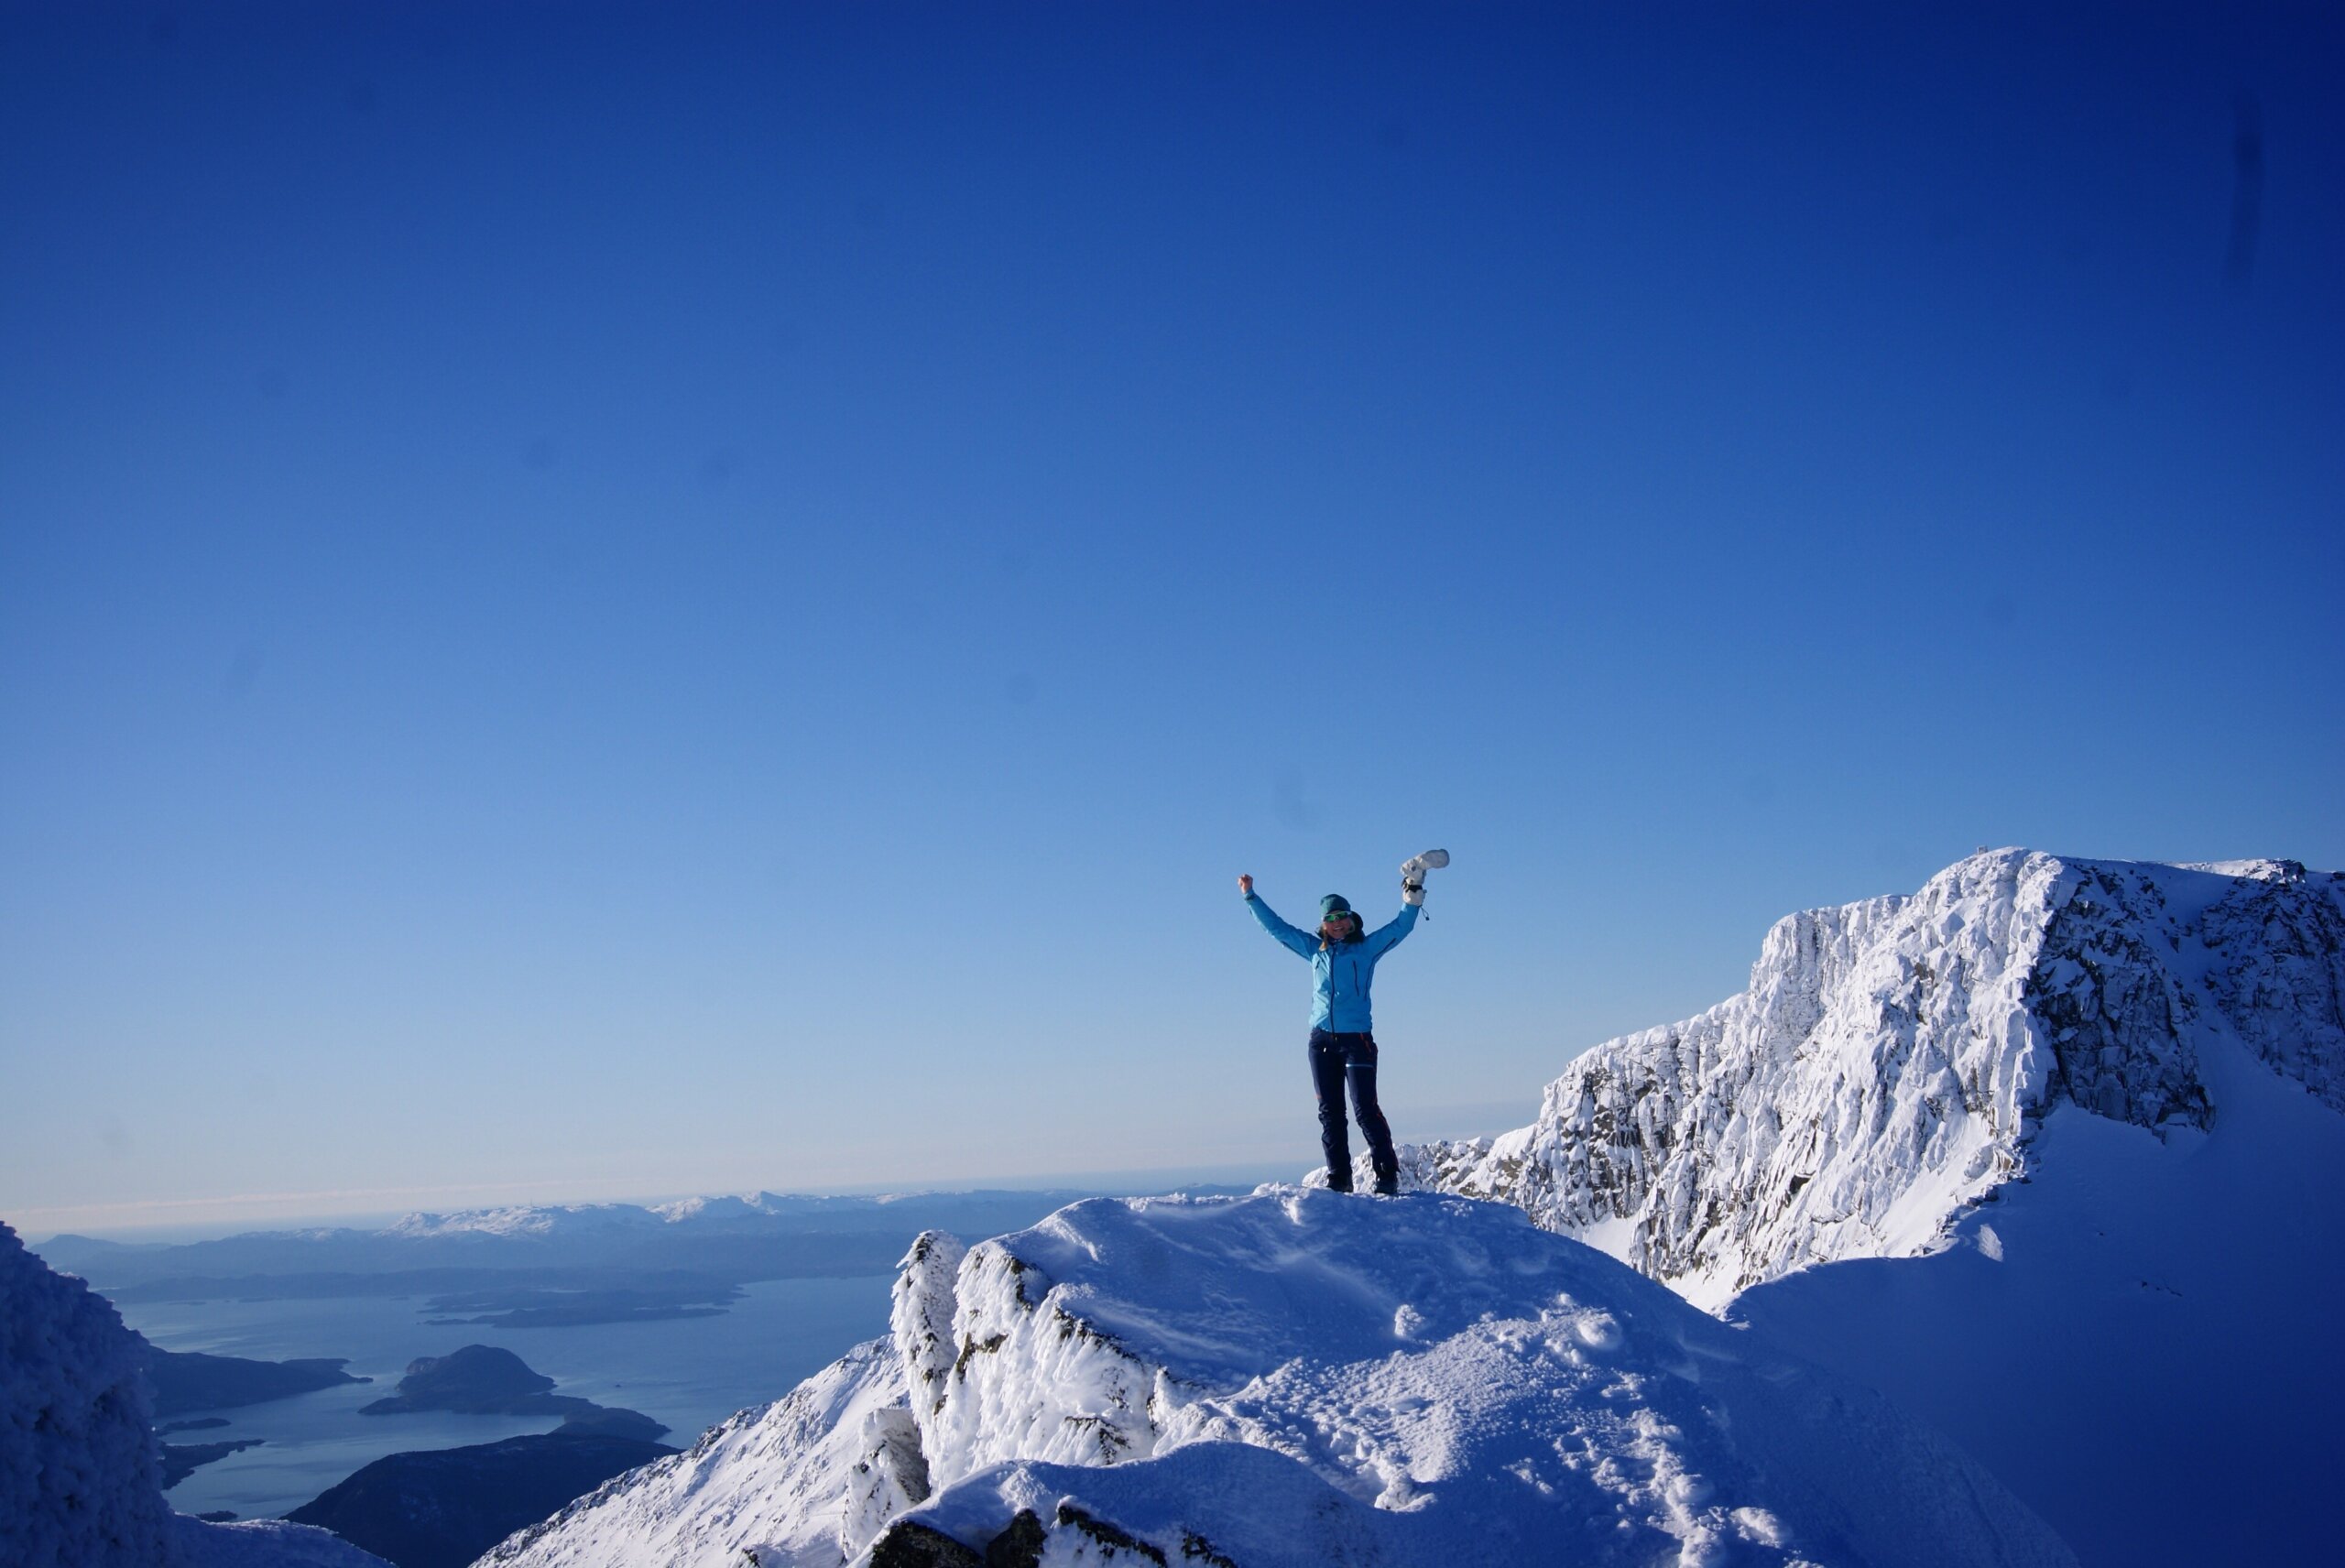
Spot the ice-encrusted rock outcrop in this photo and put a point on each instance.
(80, 1476)
(1890, 1060)
(1300, 1378)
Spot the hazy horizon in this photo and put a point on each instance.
(452, 1200)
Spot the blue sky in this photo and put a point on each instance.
(598, 603)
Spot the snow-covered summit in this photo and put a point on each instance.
(1300, 1377)
(1890, 1059)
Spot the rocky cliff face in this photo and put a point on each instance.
(1890, 1058)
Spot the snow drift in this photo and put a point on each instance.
(1301, 1377)
(80, 1477)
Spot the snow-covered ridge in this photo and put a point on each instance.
(1890, 1060)
(1299, 1377)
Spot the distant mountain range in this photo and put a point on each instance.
(694, 1231)
(559, 1265)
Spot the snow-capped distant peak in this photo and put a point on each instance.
(523, 1221)
(717, 1208)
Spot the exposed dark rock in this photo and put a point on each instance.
(1019, 1546)
(1110, 1536)
(908, 1544)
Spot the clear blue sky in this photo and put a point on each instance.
(602, 601)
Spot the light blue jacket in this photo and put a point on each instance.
(1339, 971)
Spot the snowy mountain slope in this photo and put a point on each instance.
(2142, 1342)
(1890, 1059)
(779, 1477)
(1276, 1377)
(81, 1480)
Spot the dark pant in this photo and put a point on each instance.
(1334, 1058)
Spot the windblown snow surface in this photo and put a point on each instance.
(1300, 1378)
(2068, 1136)
(81, 1482)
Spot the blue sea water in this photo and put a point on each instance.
(688, 1372)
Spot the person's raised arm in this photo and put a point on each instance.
(1296, 941)
(1387, 937)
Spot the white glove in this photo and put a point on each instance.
(1412, 873)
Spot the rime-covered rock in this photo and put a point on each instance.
(920, 1317)
(81, 1477)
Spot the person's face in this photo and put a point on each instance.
(1336, 927)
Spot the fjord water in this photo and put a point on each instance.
(688, 1372)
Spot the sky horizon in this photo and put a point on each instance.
(603, 601)
(216, 1218)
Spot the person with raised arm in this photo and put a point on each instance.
(1343, 1042)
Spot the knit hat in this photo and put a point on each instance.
(1331, 906)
